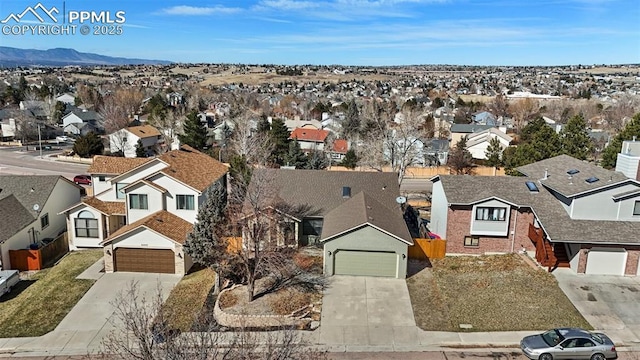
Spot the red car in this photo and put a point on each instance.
(82, 179)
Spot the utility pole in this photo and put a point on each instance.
(39, 141)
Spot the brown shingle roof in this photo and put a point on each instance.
(114, 165)
(192, 167)
(144, 131)
(360, 210)
(106, 207)
(304, 134)
(162, 222)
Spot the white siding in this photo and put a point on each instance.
(175, 188)
(100, 186)
(140, 173)
(76, 242)
(439, 210)
(144, 239)
(155, 202)
(487, 227)
(128, 147)
(600, 205)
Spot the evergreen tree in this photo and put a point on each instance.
(263, 125)
(195, 132)
(317, 160)
(295, 156)
(350, 160)
(351, 124)
(575, 138)
(140, 150)
(89, 145)
(205, 243)
(460, 159)
(279, 138)
(610, 153)
(494, 153)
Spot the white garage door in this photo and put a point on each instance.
(604, 261)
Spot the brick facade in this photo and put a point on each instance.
(459, 226)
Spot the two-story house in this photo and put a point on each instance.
(478, 142)
(29, 207)
(143, 209)
(354, 216)
(82, 122)
(125, 140)
(568, 212)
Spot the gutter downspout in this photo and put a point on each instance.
(513, 235)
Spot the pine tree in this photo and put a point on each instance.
(610, 153)
(317, 160)
(350, 160)
(575, 138)
(460, 159)
(205, 244)
(140, 150)
(279, 138)
(195, 132)
(88, 145)
(494, 153)
(295, 156)
(263, 125)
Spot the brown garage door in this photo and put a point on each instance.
(144, 260)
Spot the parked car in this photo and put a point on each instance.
(8, 279)
(82, 179)
(568, 343)
(62, 139)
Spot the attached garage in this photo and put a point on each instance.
(144, 260)
(606, 261)
(365, 263)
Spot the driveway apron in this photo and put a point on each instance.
(364, 311)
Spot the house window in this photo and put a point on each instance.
(119, 191)
(44, 221)
(101, 178)
(636, 208)
(471, 241)
(185, 202)
(491, 214)
(124, 139)
(312, 227)
(138, 201)
(86, 225)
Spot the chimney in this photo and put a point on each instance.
(546, 174)
(346, 192)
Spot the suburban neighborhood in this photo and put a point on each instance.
(382, 209)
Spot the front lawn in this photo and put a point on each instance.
(187, 300)
(491, 293)
(37, 305)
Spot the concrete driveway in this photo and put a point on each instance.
(363, 311)
(608, 303)
(83, 329)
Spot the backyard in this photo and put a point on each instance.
(38, 303)
(489, 293)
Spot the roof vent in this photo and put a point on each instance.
(346, 192)
(592, 179)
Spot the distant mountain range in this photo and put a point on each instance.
(11, 57)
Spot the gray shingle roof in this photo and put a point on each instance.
(27, 191)
(320, 191)
(468, 128)
(558, 179)
(360, 210)
(556, 222)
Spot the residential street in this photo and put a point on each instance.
(16, 162)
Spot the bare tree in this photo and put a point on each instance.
(246, 141)
(118, 108)
(522, 111)
(142, 332)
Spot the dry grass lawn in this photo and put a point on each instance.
(492, 293)
(188, 298)
(37, 305)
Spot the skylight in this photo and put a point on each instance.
(592, 179)
(532, 186)
(573, 171)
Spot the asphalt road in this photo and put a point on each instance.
(14, 161)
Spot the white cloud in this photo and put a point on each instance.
(195, 10)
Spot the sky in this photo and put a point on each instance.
(343, 32)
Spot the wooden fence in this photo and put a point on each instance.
(429, 172)
(428, 249)
(27, 259)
